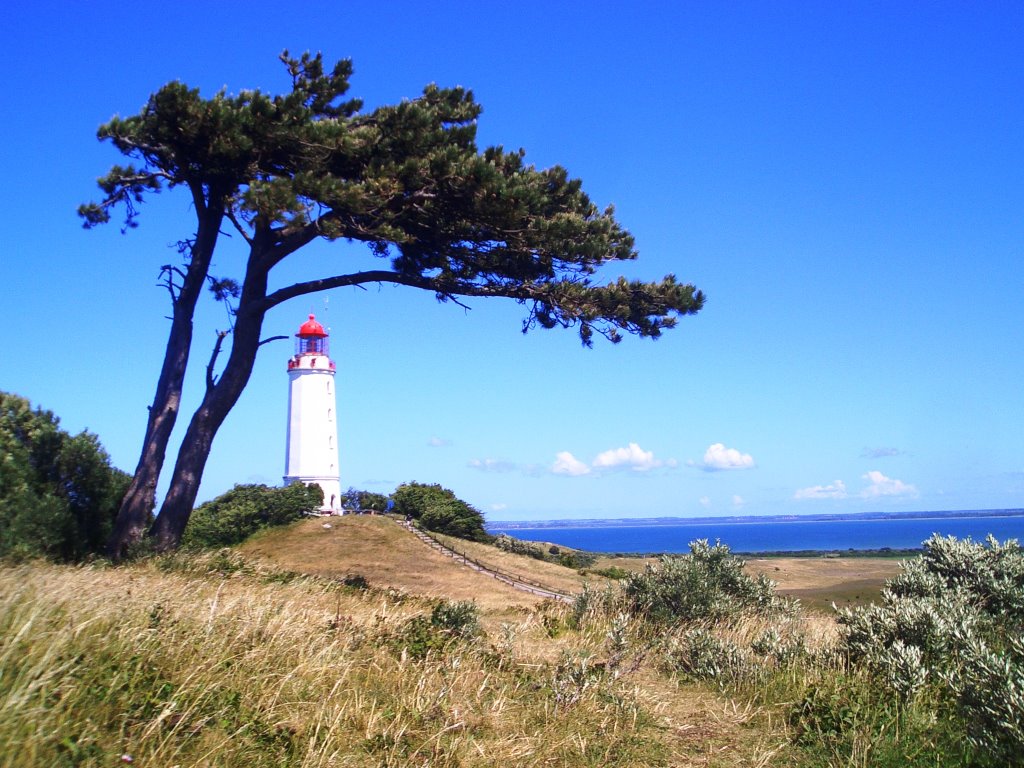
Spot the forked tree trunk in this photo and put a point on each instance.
(135, 512)
(218, 401)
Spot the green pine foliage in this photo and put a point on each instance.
(436, 211)
(58, 492)
(234, 516)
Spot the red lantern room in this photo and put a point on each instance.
(311, 338)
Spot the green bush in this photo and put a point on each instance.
(707, 583)
(949, 628)
(989, 690)
(612, 572)
(448, 623)
(354, 500)
(440, 510)
(697, 654)
(59, 494)
(234, 516)
(460, 619)
(574, 559)
(519, 547)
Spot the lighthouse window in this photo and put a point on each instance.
(330, 441)
(328, 386)
(330, 414)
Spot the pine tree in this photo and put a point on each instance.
(407, 179)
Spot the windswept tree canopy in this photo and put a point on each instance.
(406, 179)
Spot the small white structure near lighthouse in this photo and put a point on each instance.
(312, 447)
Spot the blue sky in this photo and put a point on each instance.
(845, 181)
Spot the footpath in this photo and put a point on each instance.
(518, 582)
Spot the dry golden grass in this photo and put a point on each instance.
(234, 660)
(208, 665)
(820, 581)
(385, 554)
(388, 556)
(553, 575)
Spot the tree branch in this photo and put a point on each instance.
(167, 273)
(233, 218)
(447, 288)
(211, 380)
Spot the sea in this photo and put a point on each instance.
(775, 534)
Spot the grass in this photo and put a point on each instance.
(262, 657)
(207, 661)
(386, 555)
(819, 582)
(550, 574)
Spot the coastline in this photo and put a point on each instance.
(890, 535)
(612, 522)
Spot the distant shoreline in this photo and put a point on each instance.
(619, 522)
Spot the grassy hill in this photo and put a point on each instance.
(387, 556)
(262, 656)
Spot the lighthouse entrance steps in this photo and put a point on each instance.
(517, 582)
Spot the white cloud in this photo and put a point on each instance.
(737, 501)
(880, 485)
(498, 507)
(491, 465)
(835, 491)
(438, 442)
(705, 501)
(717, 457)
(567, 464)
(631, 457)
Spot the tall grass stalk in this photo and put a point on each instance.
(198, 664)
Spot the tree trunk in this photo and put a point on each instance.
(220, 398)
(136, 508)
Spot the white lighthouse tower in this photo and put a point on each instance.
(312, 451)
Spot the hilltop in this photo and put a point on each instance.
(387, 556)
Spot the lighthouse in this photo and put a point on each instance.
(312, 448)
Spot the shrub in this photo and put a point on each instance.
(707, 583)
(448, 623)
(440, 510)
(355, 500)
(459, 619)
(951, 623)
(234, 516)
(59, 494)
(989, 691)
(589, 603)
(698, 654)
(849, 720)
(612, 572)
(520, 547)
(355, 581)
(574, 559)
